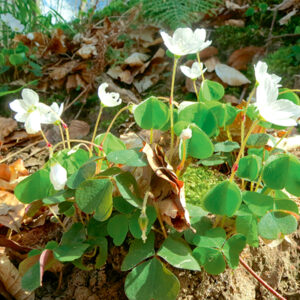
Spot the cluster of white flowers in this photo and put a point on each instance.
(33, 113)
(12, 22)
(184, 41)
(279, 112)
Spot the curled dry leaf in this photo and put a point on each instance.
(230, 75)
(7, 126)
(240, 58)
(167, 190)
(11, 280)
(87, 51)
(136, 59)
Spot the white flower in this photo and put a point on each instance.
(12, 22)
(30, 36)
(30, 111)
(53, 113)
(279, 112)
(261, 73)
(58, 176)
(108, 99)
(185, 41)
(194, 72)
(186, 134)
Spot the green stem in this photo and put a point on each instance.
(243, 145)
(181, 165)
(62, 135)
(171, 101)
(195, 88)
(112, 122)
(47, 143)
(289, 90)
(200, 65)
(97, 123)
(151, 136)
(278, 142)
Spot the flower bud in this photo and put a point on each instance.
(58, 176)
(186, 134)
(143, 223)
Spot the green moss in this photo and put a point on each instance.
(198, 181)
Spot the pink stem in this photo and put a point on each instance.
(260, 280)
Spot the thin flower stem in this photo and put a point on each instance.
(228, 134)
(260, 175)
(151, 136)
(200, 65)
(243, 145)
(112, 122)
(57, 218)
(171, 101)
(289, 90)
(67, 135)
(195, 88)
(160, 219)
(47, 143)
(279, 141)
(181, 165)
(260, 280)
(97, 122)
(62, 135)
(76, 141)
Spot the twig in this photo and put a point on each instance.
(260, 280)
(73, 101)
(284, 35)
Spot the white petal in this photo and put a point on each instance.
(18, 106)
(230, 75)
(112, 99)
(101, 90)
(200, 34)
(32, 123)
(168, 41)
(30, 97)
(58, 176)
(267, 91)
(260, 70)
(186, 71)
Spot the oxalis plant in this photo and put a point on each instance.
(103, 193)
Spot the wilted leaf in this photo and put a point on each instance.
(11, 280)
(167, 190)
(230, 75)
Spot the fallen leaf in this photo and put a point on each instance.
(61, 71)
(87, 51)
(167, 190)
(286, 4)
(230, 75)
(136, 59)
(208, 52)
(78, 129)
(240, 58)
(211, 63)
(11, 211)
(7, 126)
(286, 18)
(11, 280)
(233, 6)
(235, 22)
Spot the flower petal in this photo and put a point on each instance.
(101, 91)
(18, 106)
(30, 97)
(58, 176)
(32, 123)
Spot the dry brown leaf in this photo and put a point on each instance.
(7, 126)
(13, 171)
(211, 63)
(167, 190)
(87, 51)
(61, 71)
(230, 75)
(78, 129)
(11, 211)
(235, 22)
(240, 58)
(208, 52)
(287, 17)
(11, 280)
(57, 44)
(287, 4)
(233, 6)
(136, 59)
